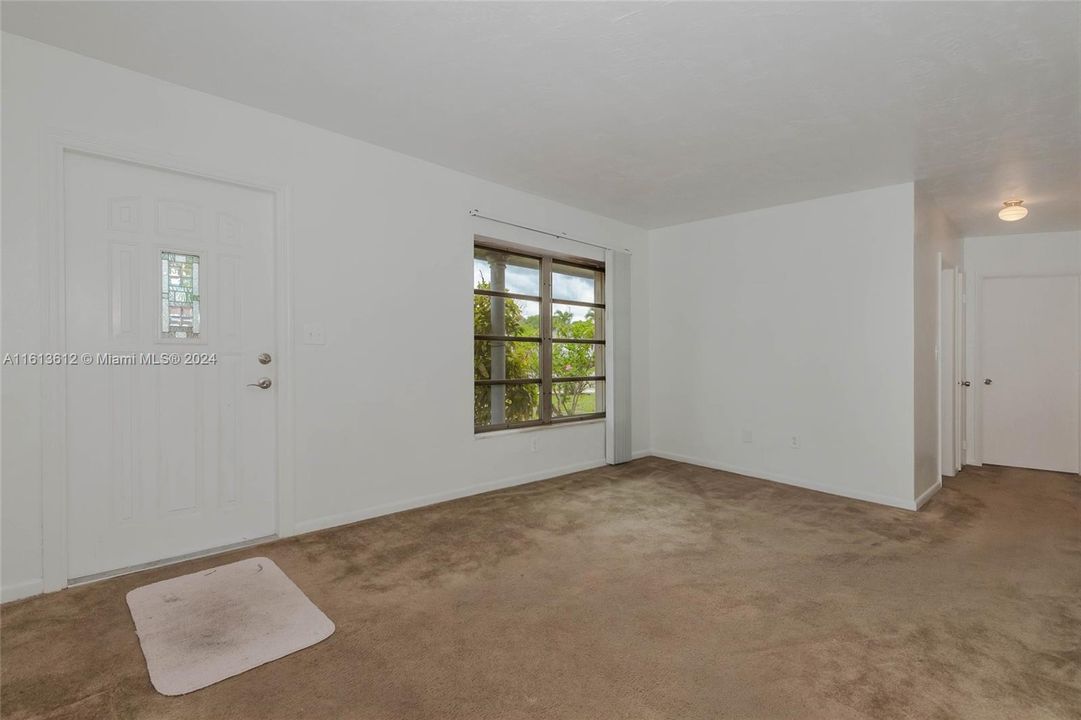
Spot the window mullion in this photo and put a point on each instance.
(600, 325)
(546, 339)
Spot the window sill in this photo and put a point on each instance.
(535, 428)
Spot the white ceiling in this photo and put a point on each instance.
(653, 113)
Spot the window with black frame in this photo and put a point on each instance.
(538, 337)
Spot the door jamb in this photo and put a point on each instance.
(940, 351)
(54, 145)
(960, 413)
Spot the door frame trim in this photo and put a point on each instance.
(974, 361)
(55, 144)
(940, 350)
(959, 369)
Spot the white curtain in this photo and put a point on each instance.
(617, 356)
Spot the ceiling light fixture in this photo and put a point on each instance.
(1012, 211)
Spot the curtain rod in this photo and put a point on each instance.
(564, 236)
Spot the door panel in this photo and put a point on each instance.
(1030, 353)
(166, 459)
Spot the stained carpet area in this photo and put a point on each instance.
(649, 590)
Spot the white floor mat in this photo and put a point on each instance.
(199, 629)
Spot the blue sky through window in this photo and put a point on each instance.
(526, 281)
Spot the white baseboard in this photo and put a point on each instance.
(789, 480)
(928, 494)
(28, 588)
(353, 516)
(18, 591)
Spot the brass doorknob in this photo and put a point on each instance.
(262, 383)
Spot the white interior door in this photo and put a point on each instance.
(947, 370)
(1029, 387)
(170, 301)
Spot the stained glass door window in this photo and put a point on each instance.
(179, 295)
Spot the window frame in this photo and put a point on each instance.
(546, 301)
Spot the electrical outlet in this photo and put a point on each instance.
(795, 442)
(747, 436)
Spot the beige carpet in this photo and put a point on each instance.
(646, 591)
(198, 629)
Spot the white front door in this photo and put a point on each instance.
(1029, 385)
(170, 301)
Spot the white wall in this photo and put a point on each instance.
(380, 239)
(790, 321)
(1005, 255)
(934, 235)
